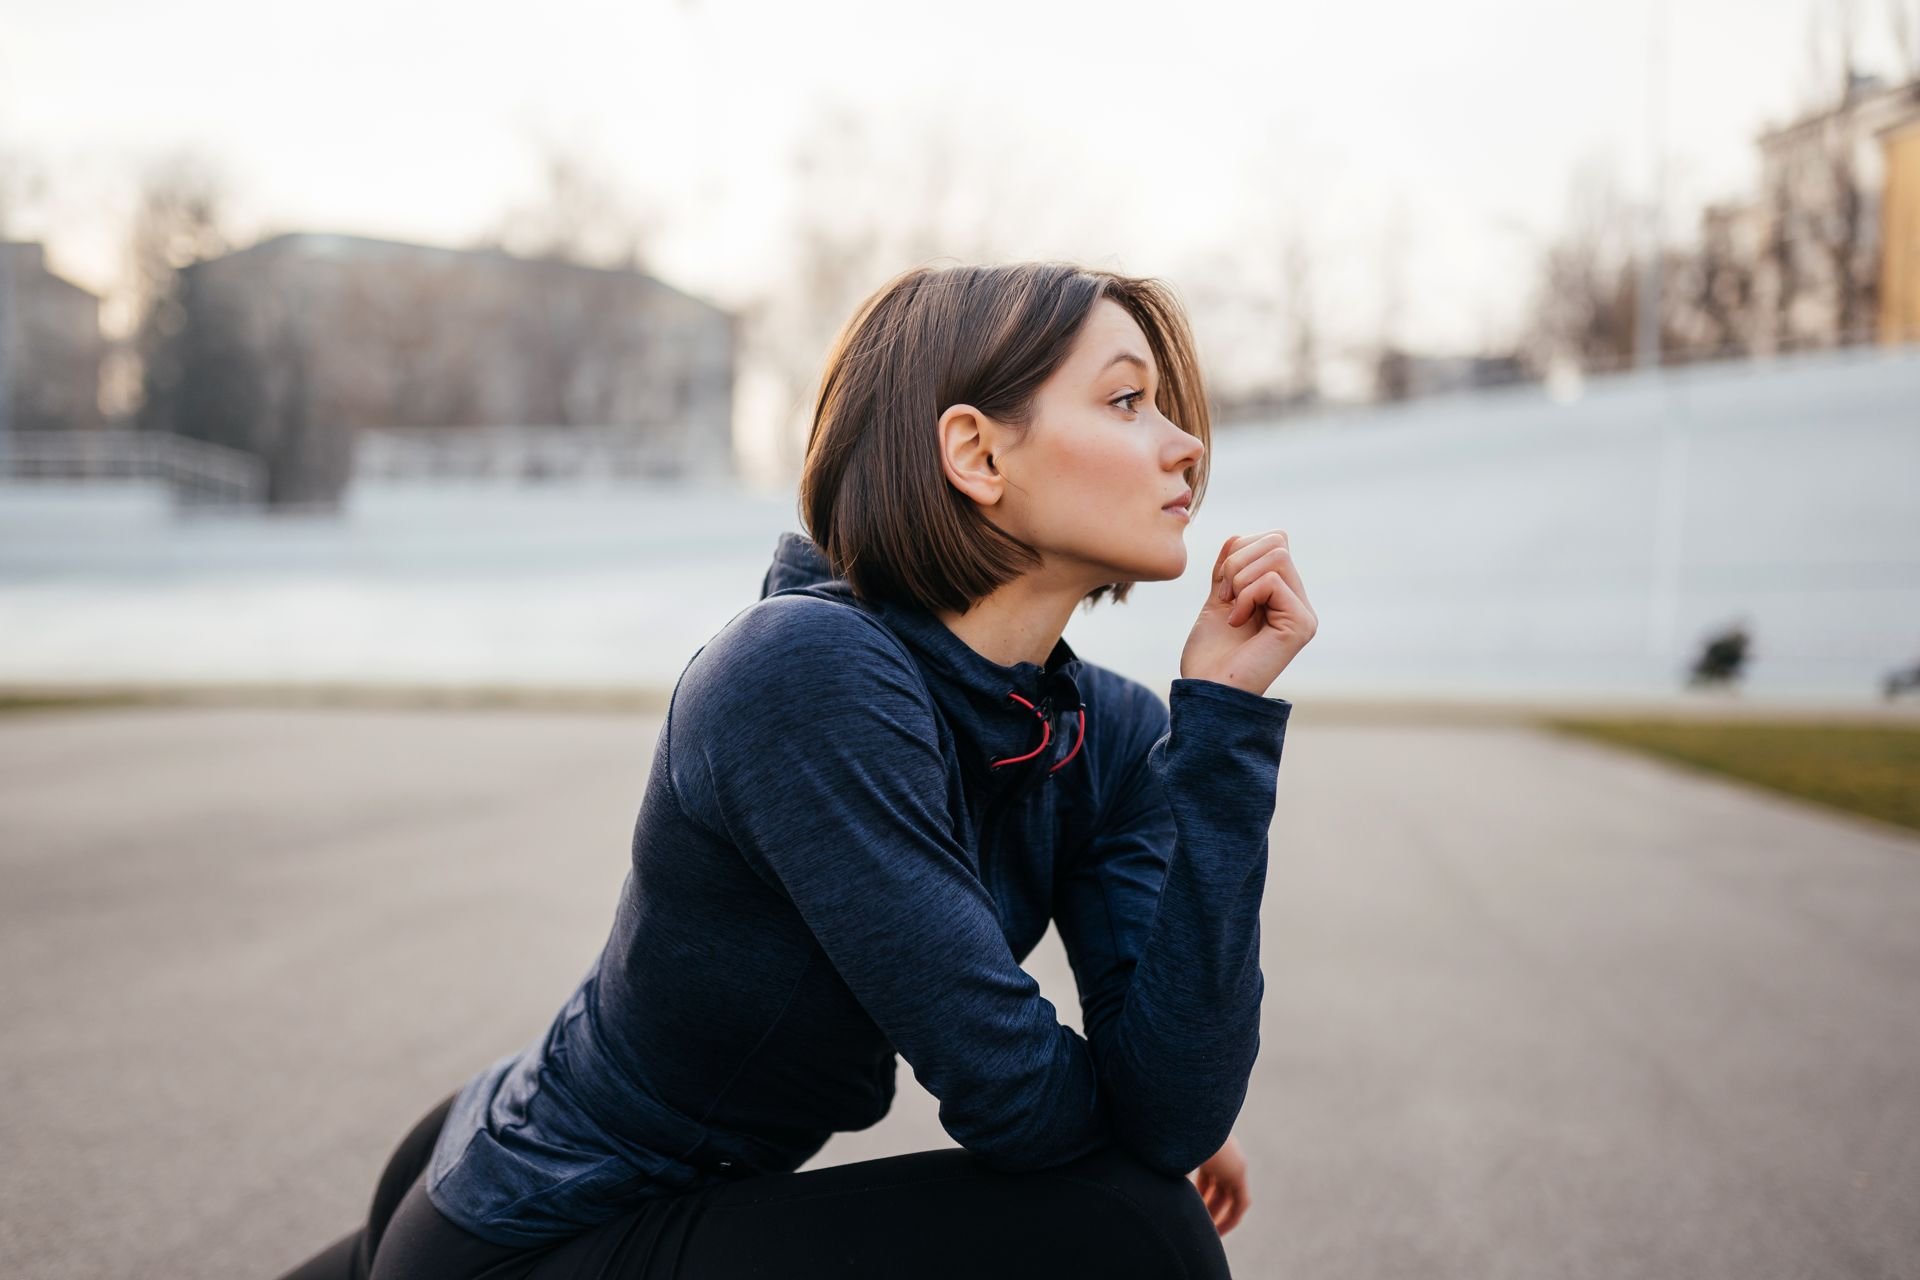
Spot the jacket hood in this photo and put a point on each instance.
(1021, 723)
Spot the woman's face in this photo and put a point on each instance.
(1089, 481)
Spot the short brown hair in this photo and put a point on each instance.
(873, 494)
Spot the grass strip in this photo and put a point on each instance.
(1868, 769)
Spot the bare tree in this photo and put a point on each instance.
(1297, 290)
(178, 221)
(1583, 309)
(1258, 314)
(579, 216)
(1392, 363)
(860, 216)
(22, 184)
(1782, 253)
(570, 316)
(1720, 283)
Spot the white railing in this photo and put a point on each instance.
(196, 470)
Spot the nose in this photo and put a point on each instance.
(1188, 448)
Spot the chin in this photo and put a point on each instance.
(1161, 566)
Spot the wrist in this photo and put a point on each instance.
(1225, 681)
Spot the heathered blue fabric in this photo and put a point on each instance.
(828, 871)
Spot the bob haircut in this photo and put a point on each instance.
(873, 494)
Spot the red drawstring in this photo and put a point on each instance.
(1046, 735)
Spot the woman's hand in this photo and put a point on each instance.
(1222, 1182)
(1256, 619)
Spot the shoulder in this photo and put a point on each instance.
(795, 691)
(799, 653)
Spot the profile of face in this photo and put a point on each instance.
(1088, 482)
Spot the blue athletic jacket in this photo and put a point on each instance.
(854, 829)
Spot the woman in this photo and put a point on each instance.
(874, 788)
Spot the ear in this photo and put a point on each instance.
(970, 453)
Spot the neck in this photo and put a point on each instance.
(1021, 621)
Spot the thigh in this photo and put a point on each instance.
(927, 1214)
(421, 1244)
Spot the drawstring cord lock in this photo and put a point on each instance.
(1070, 701)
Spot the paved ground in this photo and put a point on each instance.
(1535, 1009)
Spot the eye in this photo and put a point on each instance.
(1131, 395)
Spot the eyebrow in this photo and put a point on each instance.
(1127, 357)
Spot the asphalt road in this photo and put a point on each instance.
(1535, 1008)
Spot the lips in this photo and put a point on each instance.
(1182, 502)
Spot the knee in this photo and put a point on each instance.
(410, 1157)
(1156, 1221)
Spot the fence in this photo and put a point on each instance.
(198, 472)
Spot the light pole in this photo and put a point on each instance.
(1672, 441)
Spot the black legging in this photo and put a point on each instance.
(924, 1214)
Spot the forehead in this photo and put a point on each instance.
(1109, 330)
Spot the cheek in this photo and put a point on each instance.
(1105, 467)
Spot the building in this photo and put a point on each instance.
(300, 345)
(1817, 277)
(50, 346)
(1900, 232)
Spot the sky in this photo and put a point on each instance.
(1178, 133)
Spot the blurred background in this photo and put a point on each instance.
(365, 371)
(1563, 341)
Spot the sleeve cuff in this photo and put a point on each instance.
(1210, 717)
(1276, 709)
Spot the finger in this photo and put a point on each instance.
(1243, 565)
(1280, 560)
(1237, 1212)
(1252, 548)
(1230, 552)
(1268, 593)
(1268, 589)
(1226, 549)
(1214, 594)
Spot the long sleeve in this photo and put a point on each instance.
(1160, 917)
(805, 737)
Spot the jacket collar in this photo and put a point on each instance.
(999, 713)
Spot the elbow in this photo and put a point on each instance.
(1032, 1119)
(1029, 1128)
(1178, 1131)
(1177, 1154)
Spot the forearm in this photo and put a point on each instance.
(1175, 1060)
